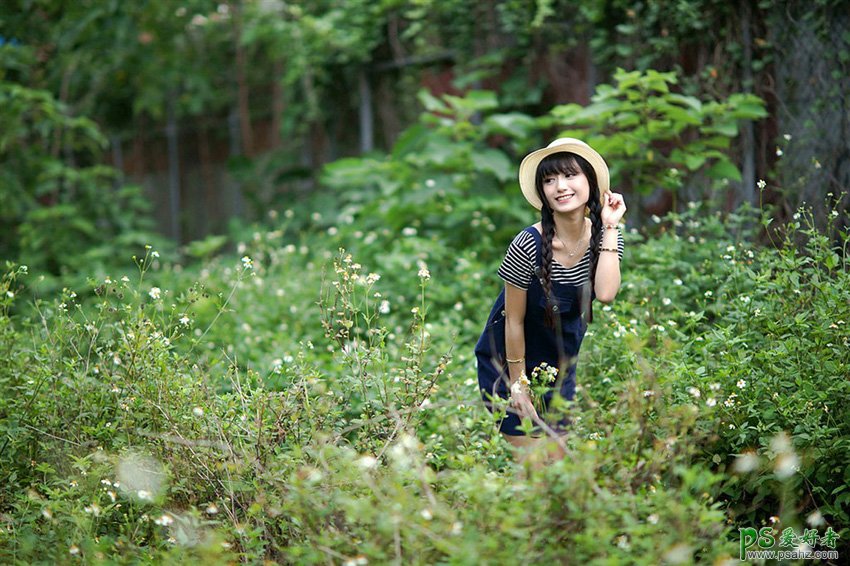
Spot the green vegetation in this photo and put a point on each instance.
(299, 386)
(232, 410)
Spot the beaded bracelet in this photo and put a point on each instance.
(609, 250)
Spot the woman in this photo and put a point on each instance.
(552, 272)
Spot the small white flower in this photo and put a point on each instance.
(164, 520)
(694, 391)
(741, 384)
(74, 549)
(655, 218)
(144, 495)
(711, 401)
(184, 320)
(430, 183)
(155, 254)
(155, 293)
(746, 462)
(367, 462)
(761, 184)
(666, 301)
(409, 231)
(652, 519)
(198, 412)
(125, 279)
(211, 509)
(778, 152)
(247, 262)
(708, 294)
(372, 278)
(426, 514)
(677, 281)
(787, 137)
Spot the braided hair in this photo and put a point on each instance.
(567, 163)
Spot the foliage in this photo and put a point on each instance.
(649, 133)
(52, 206)
(352, 430)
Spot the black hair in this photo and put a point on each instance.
(568, 163)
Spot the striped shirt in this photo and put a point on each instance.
(518, 266)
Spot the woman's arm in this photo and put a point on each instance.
(607, 281)
(515, 302)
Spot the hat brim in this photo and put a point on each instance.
(528, 167)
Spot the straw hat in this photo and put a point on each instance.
(528, 167)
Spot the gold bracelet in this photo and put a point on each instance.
(609, 250)
(516, 361)
(614, 226)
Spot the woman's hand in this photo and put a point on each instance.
(613, 209)
(522, 404)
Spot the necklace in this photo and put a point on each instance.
(571, 253)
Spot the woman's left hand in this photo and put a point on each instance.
(613, 209)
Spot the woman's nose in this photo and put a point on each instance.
(562, 182)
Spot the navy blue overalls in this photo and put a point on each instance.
(542, 344)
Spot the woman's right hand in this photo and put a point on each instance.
(522, 404)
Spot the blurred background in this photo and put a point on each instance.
(185, 119)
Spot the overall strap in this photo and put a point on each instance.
(538, 249)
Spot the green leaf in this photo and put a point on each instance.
(724, 169)
(495, 162)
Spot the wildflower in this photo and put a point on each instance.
(155, 293)
(426, 514)
(367, 462)
(815, 519)
(741, 384)
(47, 513)
(786, 465)
(745, 299)
(94, 509)
(655, 218)
(111, 495)
(711, 401)
(457, 527)
(796, 216)
(677, 281)
(708, 294)
(694, 391)
(409, 231)
(154, 254)
(316, 216)
(211, 509)
(372, 278)
(787, 137)
(332, 231)
(761, 184)
(778, 152)
(648, 393)
(164, 520)
(198, 412)
(106, 482)
(184, 320)
(652, 519)
(144, 495)
(746, 462)
(247, 262)
(74, 549)
(666, 301)
(424, 273)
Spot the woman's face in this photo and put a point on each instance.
(566, 191)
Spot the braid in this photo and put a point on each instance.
(595, 209)
(548, 222)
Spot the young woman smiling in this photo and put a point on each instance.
(552, 271)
